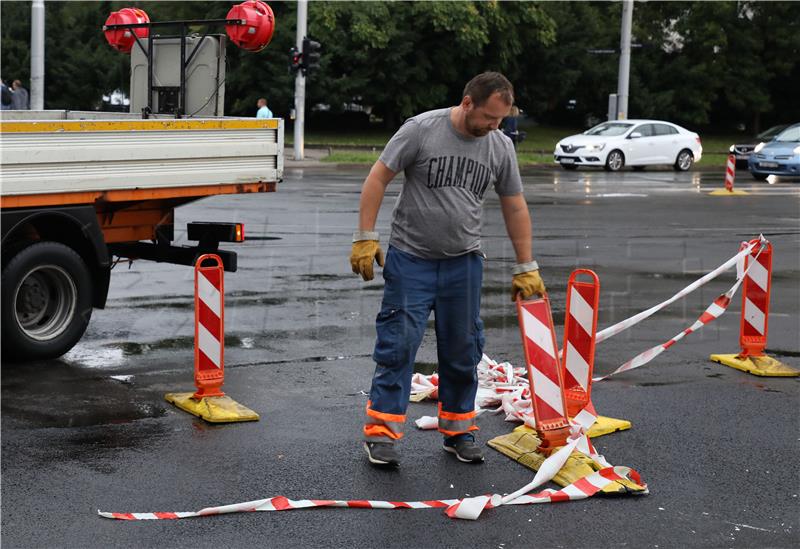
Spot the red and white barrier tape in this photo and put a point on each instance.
(466, 508)
(713, 312)
(621, 326)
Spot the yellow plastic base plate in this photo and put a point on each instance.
(726, 192)
(758, 365)
(213, 409)
(607, 425)
(521, 445)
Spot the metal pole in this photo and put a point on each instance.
(300, 83)
(37, 55)
(624, 59)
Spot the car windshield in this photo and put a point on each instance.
(789, 135)
(609, 128)
(770, 134)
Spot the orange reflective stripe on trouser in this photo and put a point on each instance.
(380, 426)
(455, 423)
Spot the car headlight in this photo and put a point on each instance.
(596, 147)
(731, 149)
(759, 147)
(796, 150)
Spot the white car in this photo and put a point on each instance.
(636, 143)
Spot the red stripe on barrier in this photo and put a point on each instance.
(212, 274)
(209, 320)
(205, 364)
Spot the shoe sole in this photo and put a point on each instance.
(379, 462)
(453, 451)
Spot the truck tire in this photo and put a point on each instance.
(46, 300)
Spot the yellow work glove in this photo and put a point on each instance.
(526, 281)
(366, 249)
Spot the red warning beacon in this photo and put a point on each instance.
(257, 25)
(122, 39)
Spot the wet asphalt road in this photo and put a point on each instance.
(718, 447)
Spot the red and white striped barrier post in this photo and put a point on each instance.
(209, 402)
(209, 327)
(580, 327)
(730, 176)
(544, 373)
(754, 322)
(730, 173)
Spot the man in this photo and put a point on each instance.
(7, 98)
(21, 99)
(263, 110)
(449, 157)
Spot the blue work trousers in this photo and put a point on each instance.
(413, 287)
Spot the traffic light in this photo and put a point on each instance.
(310, 54)
(295, 60)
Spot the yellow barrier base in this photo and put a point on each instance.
(607, 425)
(726, 192)
(521, 445)
(757, 365)
(212, 409)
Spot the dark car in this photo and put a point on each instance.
(742, 151)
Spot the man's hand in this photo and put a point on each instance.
(525, 283)
(363, 254)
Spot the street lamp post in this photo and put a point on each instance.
(624, 60)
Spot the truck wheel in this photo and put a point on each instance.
(47, 302)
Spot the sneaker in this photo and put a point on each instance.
(382, 453)
(464, 447)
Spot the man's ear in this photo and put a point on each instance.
(466, 103)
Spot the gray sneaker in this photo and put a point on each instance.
(465, 449)
(382, 454)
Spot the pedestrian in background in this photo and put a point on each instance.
(21, 100)
(263, 110)
(6, 96)
(450, 158)
(510, 127)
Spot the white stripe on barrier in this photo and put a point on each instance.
(759, 274)
(753, 314)
(577, 366)
(208, 294)
(581, 311)
(547, 391)
(208, 344)
(538, 332)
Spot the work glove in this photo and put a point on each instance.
(526, 281)
(366, 249)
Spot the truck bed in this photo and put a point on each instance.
(50, 159)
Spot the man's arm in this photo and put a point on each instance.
(518, 225)
(366, 247)
(526, 280)
(372, 195)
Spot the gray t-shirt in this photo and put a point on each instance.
(438, 212)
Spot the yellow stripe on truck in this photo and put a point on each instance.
(34, 126)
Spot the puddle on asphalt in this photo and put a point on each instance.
(116, 354)
(56, 402)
